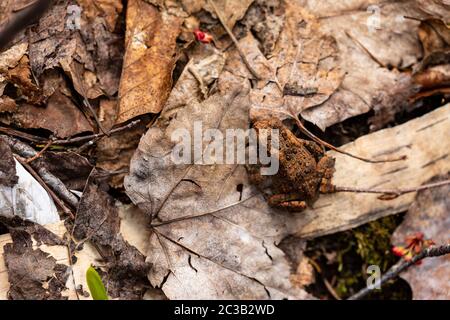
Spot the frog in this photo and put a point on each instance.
(304, 171)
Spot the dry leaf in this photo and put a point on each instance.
(8, 175)
(337, 61)
(60, 116)
(102, 9)
(97, 220)
(32, 273)
(114, 153)
(149, 60)
(228, 250)
(429, 214)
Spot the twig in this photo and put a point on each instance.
(25, 151)
(36, 139)
(233, 38)
(325, 281)
(39, 154)
(330, 289)
(331, 147)
(87, 103)
(23, 135)
(395, 192)
(55, 198)
(21, 19)
(324, 143)
(97, 135)
(402, 266)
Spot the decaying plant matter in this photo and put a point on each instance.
(92, 94)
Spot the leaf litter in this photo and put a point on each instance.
(210, 232)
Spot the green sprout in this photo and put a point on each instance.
(95, 284)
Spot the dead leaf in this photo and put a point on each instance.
(114, 153)
(97, 220)
(71, 168)
(338, 61)
(231, 10)
(226, 249)
(102, 9)
(436, 8)
(15, 70)
(428, 214)
(89, 53)
(60, 116)
(149, 60)
(7, 104)
(8, 176)
(32, 273)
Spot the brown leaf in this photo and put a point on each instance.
(60, 116)
(102, 9)
(436, 8)
(7, 104)
(231, 10)
(98, 221)
(428, 214)
(7, 166)
(15, 70)
(226, 250)
(32, 273)
(149, 60)
(71, 168)
(90, 53)
(114, 153)
(333, 61)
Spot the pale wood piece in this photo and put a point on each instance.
(426, 143)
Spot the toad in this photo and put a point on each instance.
(304, 170)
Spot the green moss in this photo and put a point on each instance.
(373, 242)
(344, 257)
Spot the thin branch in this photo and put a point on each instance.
(23, 135)
(39, 154)
(316, 139)
(394, 192)
(331, 147)
(95, 136)
(37, 139)
(25, 151)
(21, 19)
(233, 38)
(402, 266)
(55, 198)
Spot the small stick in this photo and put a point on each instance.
(55, 183)
(55, 198)
(21, 19)
(39, 154)
(331, 147)
(233, 38)
(326, 144)
(36, 139)
(87, 103)
(23, 135)
(97, 135)
(402, 266)
(395, 192)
